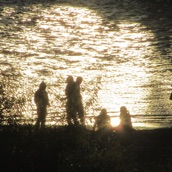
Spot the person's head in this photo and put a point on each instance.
(123, 109)
(103, 112)
(42, 85)
(69, 79)
(79, 80)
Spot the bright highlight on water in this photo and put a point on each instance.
(114, 49)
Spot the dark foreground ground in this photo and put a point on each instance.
(77, 149)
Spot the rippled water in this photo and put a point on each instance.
(123, 50)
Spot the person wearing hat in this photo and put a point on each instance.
(41, 100)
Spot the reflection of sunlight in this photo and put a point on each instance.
(140, 125)
(115, 121)
(75, 40)
(125, 90)
(144, 125)
(28, 72)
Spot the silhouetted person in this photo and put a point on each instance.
(78, 100)
(41, 100)
(125, 119)
(102, 121)
(70, 102)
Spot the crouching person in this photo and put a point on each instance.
(102, 121)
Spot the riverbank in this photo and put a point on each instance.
(78, 149)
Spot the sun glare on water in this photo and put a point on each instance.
(83, 36)
(115, 121)
(112, 58)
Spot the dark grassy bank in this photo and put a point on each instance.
(78, 149)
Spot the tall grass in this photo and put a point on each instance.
(17, 100)
(11, 101)
(70, 148)
(61, 149)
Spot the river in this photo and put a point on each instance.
(122, 49)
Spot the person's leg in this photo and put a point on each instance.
(69, 120)
(75, 120)
(81, 113)
(37, 124)
(43, 117)
(73, 115)
(68, 112)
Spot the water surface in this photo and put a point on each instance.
(121, 49)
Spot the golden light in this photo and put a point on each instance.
(115, 121)
(112, 57)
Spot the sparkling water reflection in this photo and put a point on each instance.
(115, 53)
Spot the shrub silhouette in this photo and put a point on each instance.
(7, 105)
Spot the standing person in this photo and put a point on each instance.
(78, 100)
(125, 119)
(70, 103)
(41, 100)
(102, 121)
